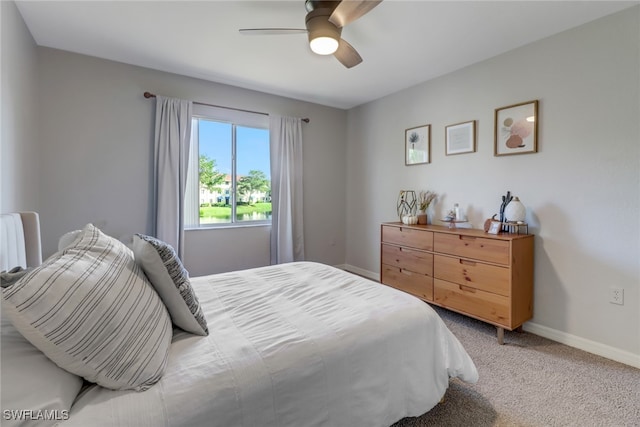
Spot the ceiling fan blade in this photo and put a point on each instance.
(271, 31)
(350, 10)
(347, 55)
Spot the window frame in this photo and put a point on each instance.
(236, 119)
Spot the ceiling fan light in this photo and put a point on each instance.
(323, 45)
(323, 35)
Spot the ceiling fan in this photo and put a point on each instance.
(324, 23)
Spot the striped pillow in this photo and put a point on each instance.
(92, 311)
(168, 276)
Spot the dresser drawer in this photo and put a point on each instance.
(480, 248)
(416, 261)
(405, 236)
(486, 277)
(486, 306)
(416, 284)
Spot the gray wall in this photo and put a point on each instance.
(19, 169)
(97, 136)
(581, 189)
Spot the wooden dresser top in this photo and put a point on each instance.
(473, 232)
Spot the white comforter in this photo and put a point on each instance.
(299, 344)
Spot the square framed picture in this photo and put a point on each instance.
(460, 138)
(417, 145)
(495, 227)
(516, 129)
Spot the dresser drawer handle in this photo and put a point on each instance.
(465, 262)
(467, 289)
(461, 237)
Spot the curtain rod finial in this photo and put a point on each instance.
(149, 95)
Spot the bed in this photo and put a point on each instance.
(298, 344)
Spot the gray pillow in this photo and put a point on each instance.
(93, 312)
(8, 278)
(171, 280)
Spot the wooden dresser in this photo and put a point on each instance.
(485, 276)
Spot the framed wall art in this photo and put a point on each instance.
(516, 129)
(460, 138)
(417, 145)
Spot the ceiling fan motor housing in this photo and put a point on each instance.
(310, 5)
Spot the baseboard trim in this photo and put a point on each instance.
(580, 343)
(360, 271)
(574, 341)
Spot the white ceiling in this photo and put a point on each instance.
(402, 42)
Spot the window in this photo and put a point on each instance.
(229, 178)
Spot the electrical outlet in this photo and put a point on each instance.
(616, 296)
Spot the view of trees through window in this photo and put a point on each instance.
(234, 172)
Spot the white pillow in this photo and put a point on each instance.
(30, 381)
(67, 239)
(171, 280)
(92, 311)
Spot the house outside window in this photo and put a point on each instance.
(229, 178)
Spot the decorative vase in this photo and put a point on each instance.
(515, 211)
(410, 219)
(422, 217)
(406, 203)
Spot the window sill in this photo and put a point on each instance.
(228, 226)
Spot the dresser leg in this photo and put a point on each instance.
(500, 336)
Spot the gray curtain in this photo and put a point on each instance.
(287, 236)
(171, 160)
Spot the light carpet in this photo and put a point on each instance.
(533, 381)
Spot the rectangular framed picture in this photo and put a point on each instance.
(516, 129)
(460, 138)
(417, 145)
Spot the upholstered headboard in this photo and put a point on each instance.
(20, 240)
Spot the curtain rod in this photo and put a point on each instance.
(151, 95)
